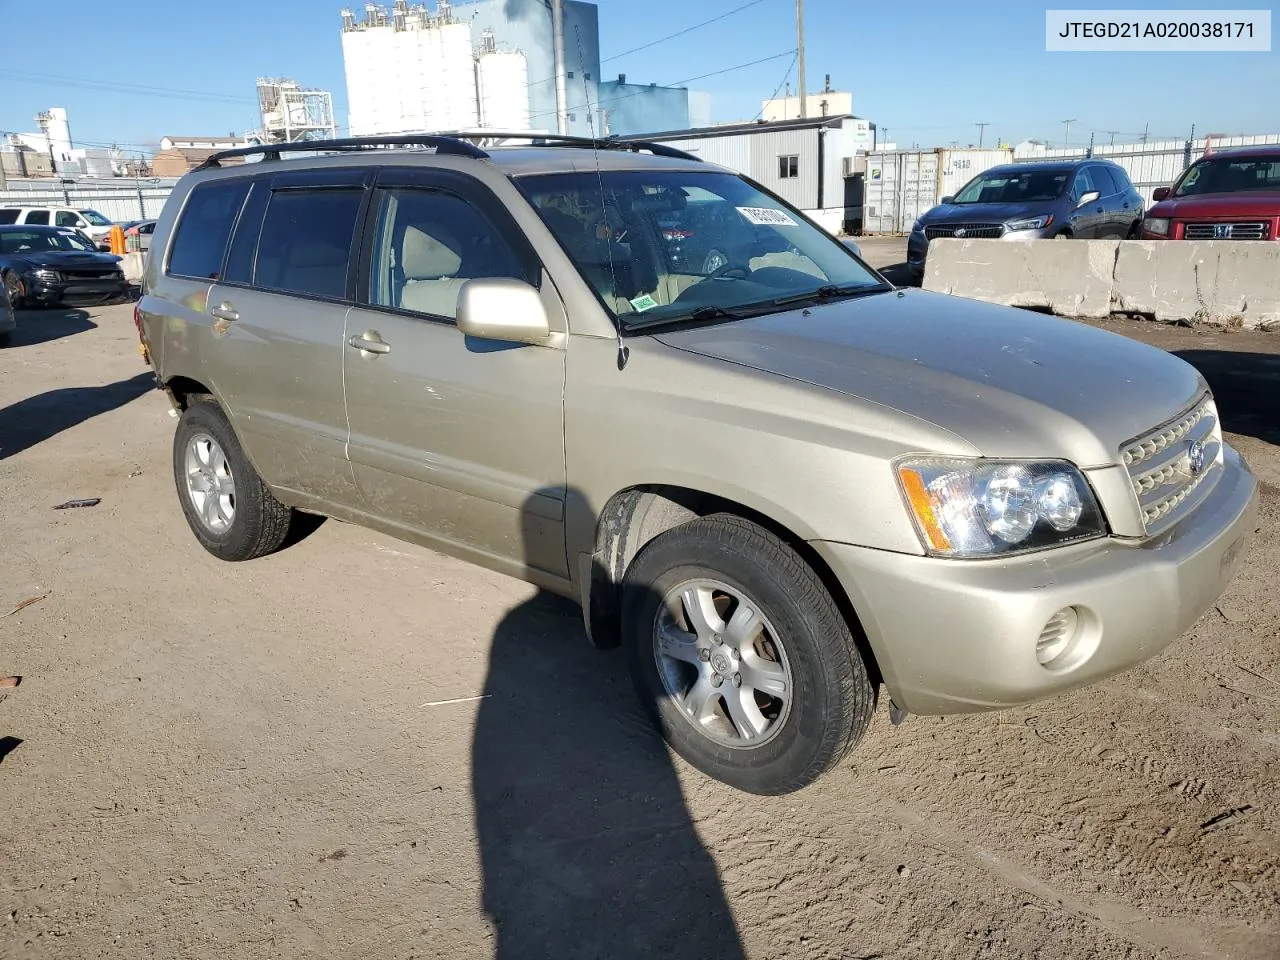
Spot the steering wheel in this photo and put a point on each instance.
(728, 270)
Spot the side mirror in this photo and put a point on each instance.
(1160, 193)
(1088, 198)
(502, 309)
(945, 200)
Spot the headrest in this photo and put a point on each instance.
(425, 257)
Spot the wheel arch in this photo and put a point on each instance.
(636, 515)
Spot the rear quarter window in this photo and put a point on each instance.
(8, 215)
(200, 239)
(38, 217)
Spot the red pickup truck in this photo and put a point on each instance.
(1231, 195)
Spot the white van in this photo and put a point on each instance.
(89, 222)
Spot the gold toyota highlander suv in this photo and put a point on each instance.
(777, 480)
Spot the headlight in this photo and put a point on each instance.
(43, 273)
(1031, 223)
(1157, 225)
(987, 508)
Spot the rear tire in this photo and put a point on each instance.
(5, 340)
(762, 685)
(227, 505)
(1135, 231)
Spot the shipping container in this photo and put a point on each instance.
(902, 185)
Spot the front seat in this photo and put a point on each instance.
(430, 263)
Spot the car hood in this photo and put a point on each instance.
(1253, 204)
(1009, 382)
(62, 259)
(986, 212)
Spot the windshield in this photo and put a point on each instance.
(1225, 175)
(39, 241)
(95, 218)
(662, 246)
(1014, 186)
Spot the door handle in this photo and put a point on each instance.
(224, 311)
(369, 343)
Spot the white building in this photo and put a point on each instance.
(410, 70)
(828, 103)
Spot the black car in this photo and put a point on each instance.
(42, 266)
(1058, 199)
(711, 235)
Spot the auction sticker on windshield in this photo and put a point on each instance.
(767, 217)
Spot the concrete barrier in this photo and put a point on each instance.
(132, 264)
(1223, 282)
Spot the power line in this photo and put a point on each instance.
(681, 33)
(139, 89)
(677, 83)
(778, 88)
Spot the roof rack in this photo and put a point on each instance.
(562, 140)
(271, 151)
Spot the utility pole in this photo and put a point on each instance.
(1112, 134)
(1146, 128)
(1089, 155)
(804, 97)
(1066, 139)
(982, 131)
(562, 93)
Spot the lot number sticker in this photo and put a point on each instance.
(767, 217)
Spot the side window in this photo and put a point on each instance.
(789, 167)
(306, 240)
(40, 217)
(1083, 184)
(1104, 181)
(200, 241)
(9, 215)
(1123, 184)
(65, 218)
(426, 246)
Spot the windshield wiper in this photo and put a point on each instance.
(700, 315)
(833, 291)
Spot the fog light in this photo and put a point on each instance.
(1057, 637)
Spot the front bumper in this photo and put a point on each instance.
(72, 291)
(954, 636)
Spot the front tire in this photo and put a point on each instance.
(742, 657)
(13, 287)
(227, 505)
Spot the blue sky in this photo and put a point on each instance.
(927, 71)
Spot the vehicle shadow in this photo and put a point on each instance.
(36, 419)
(42, 326)
(1246, 387)
(586, 845)
(7, 746)
(900, 275)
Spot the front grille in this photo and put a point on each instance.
(1166, 478)
(1253, 230)
(979, 231)
(91, 274)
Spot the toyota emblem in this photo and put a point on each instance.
(1196, 457)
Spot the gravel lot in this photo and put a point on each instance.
(213, 760)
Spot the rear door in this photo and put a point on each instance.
(37, 218)
(1111, 199)
(457, 440)
(277, 318)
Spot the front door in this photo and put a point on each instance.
(459, 441)
(1090, 220)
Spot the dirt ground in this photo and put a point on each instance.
(286, 758)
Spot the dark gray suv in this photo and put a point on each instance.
(1088, 199)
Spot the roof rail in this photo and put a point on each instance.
(271, 151)
(562, 140)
